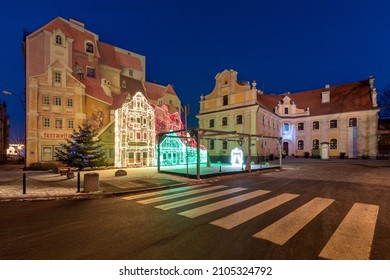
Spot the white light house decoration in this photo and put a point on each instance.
(236, 157)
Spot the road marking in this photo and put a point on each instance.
(353, 238)
(237, 218)
(176, 195)
(174, 190)
(196, 212)
(285, 228)
(198, 199)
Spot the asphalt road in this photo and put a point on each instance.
(308, 211)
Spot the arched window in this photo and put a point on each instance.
(58, 40)
(333, 144)
(286, 127)
(300, 145)
(316, 144)
(89, 47)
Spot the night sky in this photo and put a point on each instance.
(283, 45)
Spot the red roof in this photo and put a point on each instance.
(132, 87)
(108, 55)
(155, 91)
(348, 97)
(129, 61)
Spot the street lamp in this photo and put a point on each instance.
(18, 96)
(23, 104)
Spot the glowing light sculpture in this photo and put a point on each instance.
(135, 132)
(236, 157)
(174, 151)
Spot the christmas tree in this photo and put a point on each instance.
(82, 150)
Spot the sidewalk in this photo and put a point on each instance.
(44, 185)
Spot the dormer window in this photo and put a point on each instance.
(89, 47)
(58, 40)
(325, 97)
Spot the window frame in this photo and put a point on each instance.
(211, 123)
(225, 100)
(301, 145)
(239, 119)
(301, 126)
(316, 125)
(89, 47)
(333, 124)
(57, 101)
(224, 121)
(317, 146)
(352, 122)
(46, 122)
(333, 144)
(46, 100)
(90, 71)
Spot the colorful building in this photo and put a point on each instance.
(72, 76)
(343, 118)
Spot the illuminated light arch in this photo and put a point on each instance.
(135, 134)
(236, 157)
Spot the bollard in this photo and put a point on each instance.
(78, 181)
(24, 183)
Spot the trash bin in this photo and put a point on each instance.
(91, 182)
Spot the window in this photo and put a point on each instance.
(212, 143)
(46, 122)
(131, 72)
(46, 100)
(286, 110)
(70, 102)
(352, 122)
(300, 145)
(301, 126)
(225, 100)
(89, 47)
(70, 124)
(224, 145)
(58, 40)
(211, 123)
(333, 144)
(57, 101)
(124, 84)
(316, 144)
(91, 72)
(286, 127)
(239, 119)
(224, 121)
(57, 77)
(59, 123)
(333, 123)
(316, 125)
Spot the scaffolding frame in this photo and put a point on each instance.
(200, 134)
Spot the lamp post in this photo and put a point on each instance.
(23, 104)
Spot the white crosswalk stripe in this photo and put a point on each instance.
(196, 212)
(353, 238)
(285, 228)
(199, 198)
(181, 194)
(249, 213)
(174, 190)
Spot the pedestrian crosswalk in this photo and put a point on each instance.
(351, 240)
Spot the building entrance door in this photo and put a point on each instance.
(285, 148)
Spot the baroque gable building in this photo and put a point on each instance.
(345, 117)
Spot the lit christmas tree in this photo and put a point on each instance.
(82, 151)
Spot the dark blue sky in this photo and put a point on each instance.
(283, 45)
